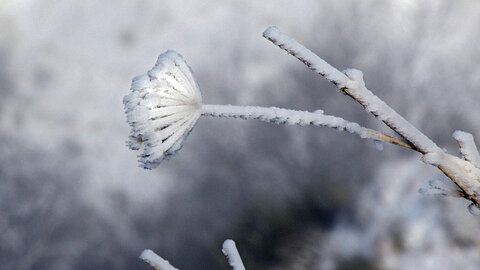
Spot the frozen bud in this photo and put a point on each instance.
(162, 109)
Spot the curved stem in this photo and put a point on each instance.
(301, 118)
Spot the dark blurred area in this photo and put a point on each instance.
(72, 196)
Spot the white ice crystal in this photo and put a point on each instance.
(162, 109)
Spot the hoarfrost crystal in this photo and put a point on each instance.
(162, 109)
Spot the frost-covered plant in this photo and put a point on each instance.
(165, 104)
(229, 250)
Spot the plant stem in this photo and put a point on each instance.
(301, 118)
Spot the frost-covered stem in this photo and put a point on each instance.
(301, 118)
(352, 84)
(366, 98)
(228, 248)
(467, 147)
(231, 252)
(156, 261)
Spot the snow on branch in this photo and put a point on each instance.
(464, 173)
(351, 82)
(303, 54)
(468, 149)
(229, 250)
(302, 118)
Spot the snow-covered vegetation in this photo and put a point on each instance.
(73, 197)
(169, 109)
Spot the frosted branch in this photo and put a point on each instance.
(156, 261)
(165, 104)
(468, 149)
(463, 173)
(228, 248)
(231, 252)
(351, 82)
(303, 54)
(301, 118)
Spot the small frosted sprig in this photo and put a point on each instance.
(228, 248)
(165, 104)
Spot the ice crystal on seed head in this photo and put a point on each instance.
(162, 109)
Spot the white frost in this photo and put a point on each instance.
(156, 261)
(351, 81)
(162, 109)
(289, 117)
(467, 147)
(318, 65)
(466, 175)
(234, 259)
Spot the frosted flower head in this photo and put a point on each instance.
(162, 109)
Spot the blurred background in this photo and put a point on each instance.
(72, 196)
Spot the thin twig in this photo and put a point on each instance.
(302, 118)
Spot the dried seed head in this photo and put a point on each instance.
(162, 109)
